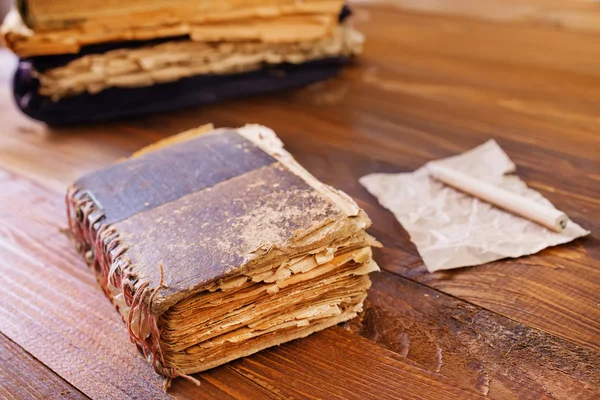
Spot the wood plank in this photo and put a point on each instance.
(335, 364)
(476, 348)
(23, 377)
(220, 383)
(541, 130)
(52, 308)
(504, 44)
(558, 285)
(56, 157)
(559, 14)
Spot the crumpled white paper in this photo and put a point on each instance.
(452, 229)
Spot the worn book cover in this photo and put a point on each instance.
(215, 244)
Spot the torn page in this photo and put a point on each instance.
(452, 229)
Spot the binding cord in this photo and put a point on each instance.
(114, 272)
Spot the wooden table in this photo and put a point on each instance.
(432, 83)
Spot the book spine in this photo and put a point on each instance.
(103, 251)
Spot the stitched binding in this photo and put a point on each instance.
(107, 256)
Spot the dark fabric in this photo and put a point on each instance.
(116, 103)
(345, 13)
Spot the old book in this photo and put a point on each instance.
(40, 27)
(216, 244)
(106, 77)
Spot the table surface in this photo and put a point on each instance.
(437, 78)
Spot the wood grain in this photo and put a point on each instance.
(86, 345)
(334, 364)
(22, 376)
(436, 79)
(478, 349)
(581, 15)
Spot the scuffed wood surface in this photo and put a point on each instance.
(428, 86)
(475, 347)
(52, 307)
(22, 376)
(337, 364)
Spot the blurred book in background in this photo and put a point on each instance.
(91, 60)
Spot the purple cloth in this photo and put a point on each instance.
(117, 103)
